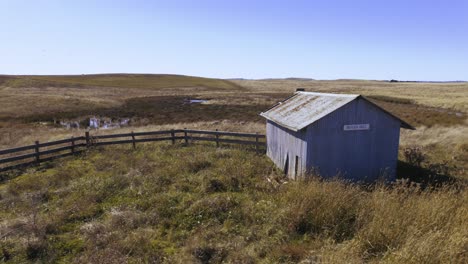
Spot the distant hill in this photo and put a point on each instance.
(149, 81)
(286, 79)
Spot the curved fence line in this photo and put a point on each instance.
(40, 152)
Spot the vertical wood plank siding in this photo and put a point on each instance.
(363, 155)
(282, 143)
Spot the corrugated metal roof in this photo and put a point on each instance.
(304, 108)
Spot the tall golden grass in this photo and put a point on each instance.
(197, 203)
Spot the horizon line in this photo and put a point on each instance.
(238, 78)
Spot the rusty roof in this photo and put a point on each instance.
(305, 108)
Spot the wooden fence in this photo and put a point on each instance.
(40, 152)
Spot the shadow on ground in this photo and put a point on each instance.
(425, 177)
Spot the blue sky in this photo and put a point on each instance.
(362, 39)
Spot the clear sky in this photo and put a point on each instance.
(328, 39)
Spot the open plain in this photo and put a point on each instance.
(197, 203)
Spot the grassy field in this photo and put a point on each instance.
(199, 204)
(139, 81)
(23, 96)
(180, 204)
(31, 103)
(443, 95)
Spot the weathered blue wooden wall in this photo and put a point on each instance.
(357, 155)
(325, 147)
(283, 144)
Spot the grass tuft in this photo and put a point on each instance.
(162, 203)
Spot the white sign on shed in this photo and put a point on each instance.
(356, 127)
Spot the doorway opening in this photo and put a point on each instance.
(296, 167)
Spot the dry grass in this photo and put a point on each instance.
(444, 95)
(178, 204)
(145, 81)
(441, 144)
(26, 135)
(27, 95)
(152, 101)
(199, 204)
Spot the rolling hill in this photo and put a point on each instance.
(148, 81)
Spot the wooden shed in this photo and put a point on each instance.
(333, 134)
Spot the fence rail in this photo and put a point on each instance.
(40, 152)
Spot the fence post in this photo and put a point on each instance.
(72, 145)
(36, 148)
(217, 139)
(172, 136)
(185, 136)
(87, 139)
(133, 140)
(256, 142)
